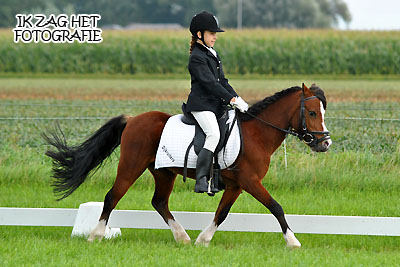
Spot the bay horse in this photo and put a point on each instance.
(297, 110)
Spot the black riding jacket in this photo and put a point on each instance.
(210, 89)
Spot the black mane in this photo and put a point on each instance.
(258, 107)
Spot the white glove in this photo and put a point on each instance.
(240, 104)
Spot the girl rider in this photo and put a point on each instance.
(210, 91)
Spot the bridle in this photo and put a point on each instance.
(304, 135)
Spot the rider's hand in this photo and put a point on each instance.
(239, 103)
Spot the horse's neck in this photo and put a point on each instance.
(278, 114)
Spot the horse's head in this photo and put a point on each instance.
(308, 127)
(312, 129)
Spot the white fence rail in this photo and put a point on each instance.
(85, 218)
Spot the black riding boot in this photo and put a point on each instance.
(203, 168)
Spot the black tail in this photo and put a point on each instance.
(72, 164)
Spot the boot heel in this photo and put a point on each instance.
(203, 167)
(201, 185)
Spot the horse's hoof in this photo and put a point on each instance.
(202, 243)
(98, 232)
(291, 240)
(178, 232)
(294, 246)
(185, 241)
(202, 240)
(183, 238)
(91, 239)
(94, 237)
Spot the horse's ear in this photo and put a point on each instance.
(304, 88)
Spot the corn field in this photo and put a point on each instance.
(257, 51)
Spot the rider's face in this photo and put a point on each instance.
(209, 38)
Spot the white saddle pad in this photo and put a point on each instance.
(176, 138)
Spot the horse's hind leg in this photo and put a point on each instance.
(164, 180)
(257, 190)
(128, 173)
(228, 198)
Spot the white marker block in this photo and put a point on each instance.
(88, 218)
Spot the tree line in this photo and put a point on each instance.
(254, 13)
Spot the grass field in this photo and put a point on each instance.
(358, 176)
(53, 247)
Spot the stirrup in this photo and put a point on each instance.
(209, 192)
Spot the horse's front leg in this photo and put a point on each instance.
(257, 190)
(228, 198)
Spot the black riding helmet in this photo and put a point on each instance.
(204, 21)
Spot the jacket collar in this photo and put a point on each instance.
(204, 49)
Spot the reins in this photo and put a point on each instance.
(273, 126)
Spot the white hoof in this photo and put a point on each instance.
(202, 241)
(182, 237)
(291, 240)
(205, 237)
(98, 232)
(179, 232)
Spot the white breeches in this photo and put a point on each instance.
(209, 125)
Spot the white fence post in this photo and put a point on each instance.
(87, 219)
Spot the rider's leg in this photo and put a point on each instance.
(208, 123)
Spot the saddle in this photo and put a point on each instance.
(199, 140)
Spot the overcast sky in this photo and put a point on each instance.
(373, 15)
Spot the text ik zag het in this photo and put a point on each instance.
(57, 29)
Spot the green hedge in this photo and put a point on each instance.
(246, 52)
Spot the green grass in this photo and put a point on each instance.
(50, 246)
(357, 177)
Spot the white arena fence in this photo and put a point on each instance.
(84, 219)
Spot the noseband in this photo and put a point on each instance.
(305, 135)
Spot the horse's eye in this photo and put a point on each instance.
(312, 114)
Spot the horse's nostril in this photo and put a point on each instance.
(326, 143)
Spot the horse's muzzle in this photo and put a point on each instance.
(322, 146)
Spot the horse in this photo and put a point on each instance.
(298, 111)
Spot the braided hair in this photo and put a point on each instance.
(192, 44)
